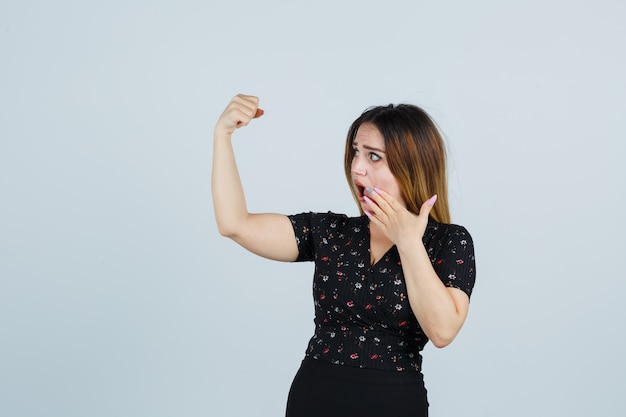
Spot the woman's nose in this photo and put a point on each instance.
(358, 167)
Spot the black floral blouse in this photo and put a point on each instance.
(362, 312)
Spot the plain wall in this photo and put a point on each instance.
(119, 298)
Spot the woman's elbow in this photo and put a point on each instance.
(441, 342)
(442, 339)
(226, 230)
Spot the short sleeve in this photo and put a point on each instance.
(302, 227)
(455, 264)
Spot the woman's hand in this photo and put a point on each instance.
(239, 112)
(440, 311)
(398, 224)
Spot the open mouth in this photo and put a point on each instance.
(359, 191)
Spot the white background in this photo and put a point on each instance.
(119, 298)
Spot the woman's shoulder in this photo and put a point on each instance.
(451, 249)
(446, 233)
(451, 228)
(325, 220)
(328, 216)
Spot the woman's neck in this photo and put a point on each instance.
(379, 243)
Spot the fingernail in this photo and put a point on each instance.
(378, 190)
(366, 198)
(432, 200)
(369, 190)
(367, 213)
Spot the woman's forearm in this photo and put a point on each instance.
(229, 201)
(439, 310)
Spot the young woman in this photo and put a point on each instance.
(385, 282)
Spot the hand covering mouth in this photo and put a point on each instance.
(360, 190)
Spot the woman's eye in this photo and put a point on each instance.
(375, 157)
(356, 152)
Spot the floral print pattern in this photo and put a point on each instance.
(362, 312)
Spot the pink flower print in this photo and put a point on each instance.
(374, 356)
(323, 296)
(350, 304)
(354, 356)
(459, 261)
(326, 350)
(368, 307)
(324, 258)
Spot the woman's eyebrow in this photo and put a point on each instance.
(369, 148)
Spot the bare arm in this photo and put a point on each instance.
(267, 235)
(440, 311)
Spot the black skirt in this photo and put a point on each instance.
(323, 389)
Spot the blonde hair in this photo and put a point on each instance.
(416, 155)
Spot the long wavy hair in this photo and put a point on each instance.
(416, 155)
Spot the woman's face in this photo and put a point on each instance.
(369, 165)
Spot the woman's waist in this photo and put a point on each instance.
(376, 351)
(351, 371)
(410, 338)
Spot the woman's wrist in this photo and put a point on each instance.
(411, 245)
